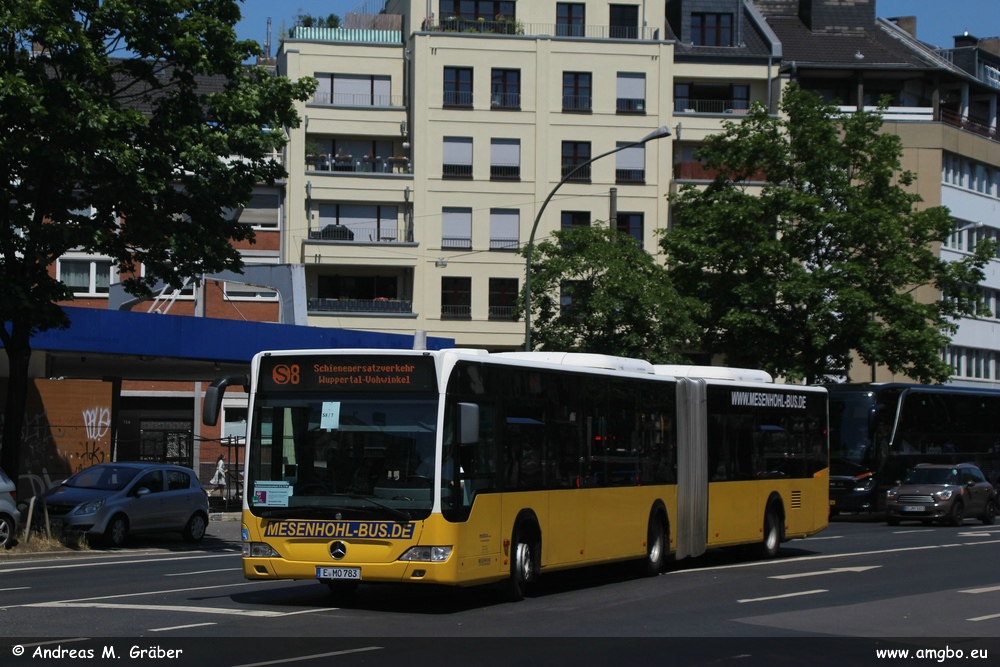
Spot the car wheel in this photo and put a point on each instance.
(522, 569)
(195, 528)
(990, 513)
(117, 531)
(6, 533)
(768, 547)
(653, 563)
(957, 514)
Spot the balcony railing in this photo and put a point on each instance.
(515, 27)
(578, 103)
(633, 176)
(631, 105)
(456, 312)
(509, 313)
(504, 243)
(458, 98)
(583, 175)
(379, 234)
(966, 123)
(374, 306)
(456, 242)
(505, 172)
(505, 100)
(358, 100)
(463, 171)
(364, 165)
(688, 105)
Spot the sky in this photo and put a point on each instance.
(938, 21)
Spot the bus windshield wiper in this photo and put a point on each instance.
(400, 515)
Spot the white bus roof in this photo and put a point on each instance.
(713, 373)
(584, 360)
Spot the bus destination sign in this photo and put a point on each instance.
(354, 373)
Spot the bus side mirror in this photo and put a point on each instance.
(467, 427)
(214, 395)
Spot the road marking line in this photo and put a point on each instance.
(786, 595)
(64, 566)
(984, 618)
(181, 627)
(311, 657)
(218, 611)
(835, 570)
(186, 574)
(989, 589)
(16, 588)
(801, 559)
(828, 537)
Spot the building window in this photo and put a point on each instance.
(630, 164)
(571, 219)
(505, 228)
(571, 19)
(458, 87)
(473, 10)
(86, 277)
(631, 92)
(505, 159)
(456, 298)
(503, 298)
(505, 89)
(347, 289)
(456, 228)
(457, 157)
(262, 212)
(353, 90)
(631, 224)
(577, 91)
(238, 291)
(624, 21)
(711, 29)
(575, 154)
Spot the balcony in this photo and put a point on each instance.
(581, 176)
(505, 172)
(687, 105)
(577, 103)
(508, 101)
(456, 242)
(363, 165)
(359, 234)
(512, 26)
(511, 244)
(456, 171)
(966, 123)
(359, 100)
(378, 306)
(505, 313)
(631, 105)
(449, 312)
(630, 176)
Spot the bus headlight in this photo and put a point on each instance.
(427, 554)
(259, 550)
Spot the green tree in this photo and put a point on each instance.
(620, 298)
(310, 21)
(808, 247)
(110, 143)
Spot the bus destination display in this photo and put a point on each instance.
(354, 373)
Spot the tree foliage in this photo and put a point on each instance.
(824, 257)
(593, 289)
(111, 143)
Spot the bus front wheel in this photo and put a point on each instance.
(522, 569)
(655, 558)
(772, 535)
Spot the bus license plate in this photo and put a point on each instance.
(913, 508)
(338, 573)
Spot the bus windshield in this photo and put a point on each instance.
(357, 454)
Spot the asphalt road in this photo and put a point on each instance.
(856, 588)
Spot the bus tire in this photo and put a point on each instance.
(656, 548)
(771, 541)
(522, 566)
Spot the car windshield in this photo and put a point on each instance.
(102, 478)
(932, 476)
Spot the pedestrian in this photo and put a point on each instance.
(219, 478)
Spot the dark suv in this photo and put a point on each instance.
(942, 492)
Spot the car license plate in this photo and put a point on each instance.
(913, 508)
(338, 573)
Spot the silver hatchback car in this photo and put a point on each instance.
(113, 500)
(10, 517)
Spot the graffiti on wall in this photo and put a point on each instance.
(67, 428)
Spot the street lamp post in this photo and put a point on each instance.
(658, 133)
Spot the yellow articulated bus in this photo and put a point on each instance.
(463, 467)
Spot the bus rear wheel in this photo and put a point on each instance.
(768, 547)
(656, 551)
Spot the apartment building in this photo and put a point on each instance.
(943, 106)
(439, 128)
